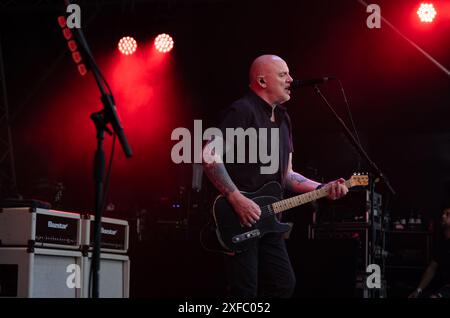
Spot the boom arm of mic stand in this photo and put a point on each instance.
(355, 143)
(110, 112)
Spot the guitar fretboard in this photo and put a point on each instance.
(293, 202)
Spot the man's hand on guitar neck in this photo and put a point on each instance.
(247, 210)
(337, 189)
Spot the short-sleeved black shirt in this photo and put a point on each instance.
(252, 111)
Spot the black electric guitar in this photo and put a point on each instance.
(235, 237)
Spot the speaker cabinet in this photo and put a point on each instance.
(360, 235)
(40, 273)
(114, 280)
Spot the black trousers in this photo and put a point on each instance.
(262, 271)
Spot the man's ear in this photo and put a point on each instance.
(262, 82)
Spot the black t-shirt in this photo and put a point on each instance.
(252, 111)
(442, 257)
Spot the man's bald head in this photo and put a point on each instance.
(261, 66)
(270, 79)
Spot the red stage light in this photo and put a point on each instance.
(76, 56)
(127, 45)
(62, 21)
(426, 12)
(72, 44)
(164, 43)
(82, 69)
(67, 33)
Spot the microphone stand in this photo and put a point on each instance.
(376, 172)
(101, 119)
(108, 115)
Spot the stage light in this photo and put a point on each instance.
(82, 69)
(73, 46)
(67, 33)
(62, 21)
(76, 56)
(164, 43)
(127, 45)
(426, 12)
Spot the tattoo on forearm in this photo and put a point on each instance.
(295, 179)
(219, 177)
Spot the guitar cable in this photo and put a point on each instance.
(207, 225)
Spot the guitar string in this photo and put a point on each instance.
(266, 210)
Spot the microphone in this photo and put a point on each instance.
(311, 82)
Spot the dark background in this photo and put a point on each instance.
(399, 101)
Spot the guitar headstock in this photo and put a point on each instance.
(359, 179)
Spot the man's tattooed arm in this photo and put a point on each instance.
(295, 182)
(219, 176)
(216, 171)
(247, 210)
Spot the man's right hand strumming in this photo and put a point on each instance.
(247, 210)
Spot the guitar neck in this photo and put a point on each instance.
(304, 198)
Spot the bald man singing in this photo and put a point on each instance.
(264, 270)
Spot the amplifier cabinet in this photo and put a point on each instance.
(35, 227)
(40, 273)
(114, 277)
(359, 234)
(115, 234)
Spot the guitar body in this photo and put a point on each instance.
(236, 237)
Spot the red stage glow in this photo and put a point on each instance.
(426, 12)
(164, 43)
(127, 45)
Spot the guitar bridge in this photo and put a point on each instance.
(245, 236)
